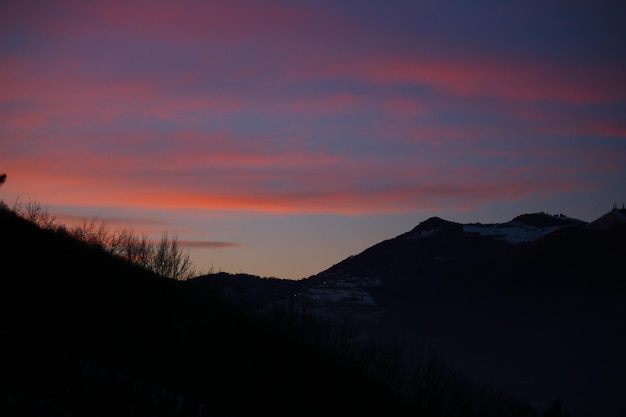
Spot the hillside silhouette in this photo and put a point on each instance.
(534, 306)
(89, 333)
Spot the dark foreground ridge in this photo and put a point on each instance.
(86, 334)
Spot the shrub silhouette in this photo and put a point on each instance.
(166, 257)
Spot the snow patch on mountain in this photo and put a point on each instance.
(350, 289)
(337, 295)
(422, 233)
(512, 232)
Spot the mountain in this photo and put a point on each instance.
(86, 333)
(535, 305)
(614, 218)
(447, 319)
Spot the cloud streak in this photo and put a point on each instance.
(208, 244)
(283, 107)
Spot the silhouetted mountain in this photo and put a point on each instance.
(614, 219)
(85, 333)
(535, 305)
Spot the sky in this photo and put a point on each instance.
(277, 138)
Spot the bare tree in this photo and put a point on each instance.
(39, 215)
(144, 251)
(135, 249)
(170, 261)
(92, 231)
(122, 243)
(166, 258)
(35, 213)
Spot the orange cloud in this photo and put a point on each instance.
(89, 183)
(208, 244)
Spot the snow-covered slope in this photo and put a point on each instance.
(434, 241)
(525, 228)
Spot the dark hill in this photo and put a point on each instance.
(547, 220)
(84, 333)
(535, 306)
(616, 218)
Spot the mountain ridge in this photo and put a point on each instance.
(502, 301)
(540, 317)
(85, 332)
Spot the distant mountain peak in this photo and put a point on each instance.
(542, 219)
(430, 226)
(524, 228)
(614, 218)
(434, 222)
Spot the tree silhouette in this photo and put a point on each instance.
(3, 178)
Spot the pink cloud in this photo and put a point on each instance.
(181, 21)
(413, 197)
(208, 244)
(284, 34)
(67, 101)
(599, 126)
(81, 136)
(258, 183)
(488, 76)
(568, 121)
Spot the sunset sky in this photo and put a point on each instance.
(279, 137)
